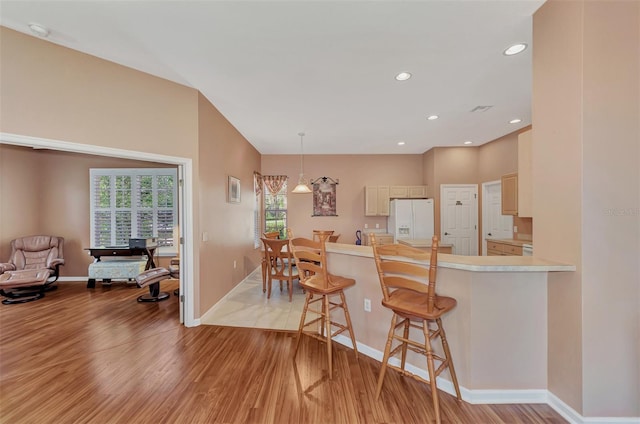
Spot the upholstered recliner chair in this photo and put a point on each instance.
(34, 265)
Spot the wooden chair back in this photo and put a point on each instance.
(311, 259)
(397, 268)
(289, 233)
(318, 234)
(272, 234)
(278, 258)
(333, 238)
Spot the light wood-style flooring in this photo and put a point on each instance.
(97, 356)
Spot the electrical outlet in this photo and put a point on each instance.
(515, 228)
(377, 225)
(205, 236)
(235, 264)
(366, 226)
(367, 305)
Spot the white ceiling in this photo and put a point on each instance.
(276, 68)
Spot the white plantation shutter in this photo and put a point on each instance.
(133, 203)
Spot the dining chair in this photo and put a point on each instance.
(408, 281)
(317, 233)
(279, 264)
(320, 287)
(333, 238)
(269, 235)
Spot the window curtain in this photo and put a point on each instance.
(274, 183)
(257, 183)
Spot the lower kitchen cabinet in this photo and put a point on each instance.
(495, 248)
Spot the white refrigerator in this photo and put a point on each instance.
(411, 219)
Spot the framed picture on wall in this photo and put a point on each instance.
(324, 197)
(233, 195)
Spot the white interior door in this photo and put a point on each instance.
(459, 217)
(494, 224)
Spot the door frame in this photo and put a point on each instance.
(186, 214)
(485, 211)
(474, 209)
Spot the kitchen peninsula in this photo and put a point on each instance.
(497, 332)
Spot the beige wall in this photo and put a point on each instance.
(56, 93)
(56, 186)
(470, 165)
(223, 152)
(354, 172)
(586, 198)
(19, 188)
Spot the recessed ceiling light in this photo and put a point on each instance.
(432, 117)
(400, 143)
(515, 49)
(39, 30)
(468, 142)
(515, 121)
(403, 76)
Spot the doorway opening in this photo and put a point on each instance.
(185, 190)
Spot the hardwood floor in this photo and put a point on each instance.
(97, 356)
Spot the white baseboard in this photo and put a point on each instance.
(475, 396)
(73, 279)
(569, 414)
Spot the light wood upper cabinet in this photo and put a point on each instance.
(383, 200)
(525, 177)
(398, 192)
(376, 201)
(417, 192)
(510, 194)
(408, 192)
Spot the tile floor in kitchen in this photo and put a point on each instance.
(247, 306)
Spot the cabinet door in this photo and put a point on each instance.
(383, 200)
(371, 201)
(510, 194)
(525, 177)
(398, 192)
(417, 192)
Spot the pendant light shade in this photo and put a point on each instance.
(302, 186)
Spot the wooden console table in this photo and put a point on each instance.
(98, 252)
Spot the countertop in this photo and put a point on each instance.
(470, 263)
(512, 242)
(421, 243)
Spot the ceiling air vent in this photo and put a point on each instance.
(481, 108)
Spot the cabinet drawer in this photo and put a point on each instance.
(492, 245)
(512, 250)
(496, 248)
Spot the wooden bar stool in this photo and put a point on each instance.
(311, 260)
(416, 305)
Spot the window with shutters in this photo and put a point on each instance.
(133, 203)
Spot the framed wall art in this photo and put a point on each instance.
(233, 195)
(324, 197)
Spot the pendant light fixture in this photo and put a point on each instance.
(302, 186)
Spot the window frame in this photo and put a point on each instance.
(266, 195)
(133, 207)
